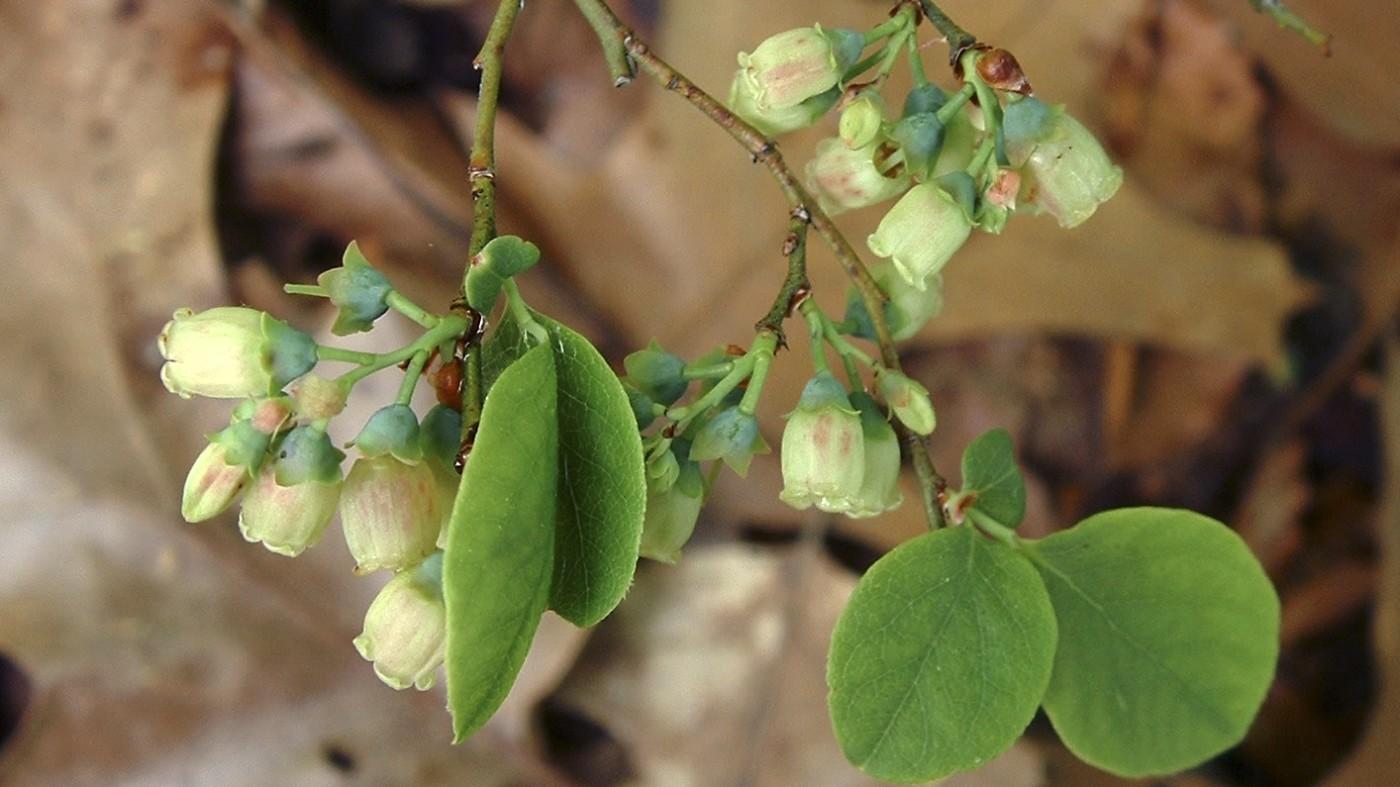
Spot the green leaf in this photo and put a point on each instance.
(1169, 634)
(500, 545)
(602, 478)
(483, 288)
(508, 255)
(990, 472)
(941, 657)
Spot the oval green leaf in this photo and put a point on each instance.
(941, 657)
(1169, 634)
(500, 543)
(989, 471)
(602, 477)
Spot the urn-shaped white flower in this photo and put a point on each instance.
(921, 233)
(230, 352)
(823, 457)
(405, 632)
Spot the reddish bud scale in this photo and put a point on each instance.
(998, 68)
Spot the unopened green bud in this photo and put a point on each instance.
(960, 140)
(230, 352)
(732, 436)
(643, 408)
(920, 138)
(1067, 173)
(879, 489)
(862, 120)
(318, 399)
(844, 179)
(662, 471)
(795, 65)
(922, 232)
(360, 291)
(391, 512)
(405, 632)
(672, 511)
(775, 121)
(393, 429)
(657, 373)
(909, 401)
(823, 449)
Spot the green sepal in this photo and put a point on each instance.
(392, 429)
(243, 445)
(440, 434)
(306, 455)
(731, 436)
(846, 46)
(690, 481)
(924, 98)
(662, 472)
(287, 352)
(961, 190)
(921, 138)
(1027, 121)
(360, 292)
(823, 391)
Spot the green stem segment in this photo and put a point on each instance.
(959, 40)
(619, 43)
(410, 377)
(401, 304)
(325, 353)
(764, 345)
(482, 165)
(448, 327)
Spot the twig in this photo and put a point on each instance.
(959, 40)
(482, 165)
(618, 41)
(796, 286)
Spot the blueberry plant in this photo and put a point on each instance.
(1148, 635)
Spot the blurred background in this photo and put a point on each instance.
(1222, 335)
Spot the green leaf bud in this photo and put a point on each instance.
(921, 233)
(844, 179)
(924, 98)
(230, 352)
(862, 121)
(405, 633)
(393, 429)
(773, 122)
(657, 373)
(909, 400)
(732, 436)
(790, 67)
(391, 512)
(672, 511)
(920, 137)
(360, 292)
(879, 489)
(1066, 171)
(823, 449)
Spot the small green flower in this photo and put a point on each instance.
(672, 510)
(823, 455)
(879, 489)
(405, 633)
(909, 400)
(1066, 171)
(907, 310)
(230, 352)
(731, 435)
(862, 121)
(843, 179)
(293, 500)
(922, 232)
(657, 373)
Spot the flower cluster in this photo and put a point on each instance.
(277, 461)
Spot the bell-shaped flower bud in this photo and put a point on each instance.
(1066, 171)
(731, 435)
(441, 438)
(405, 633)
(908, 309)
(293, 499)
(232, 458)
(960, 140)
(862, 121)
(792, 66)
(776, 121)
(317, 398)
(920, 139)
(657, 373)
(391, 512)
(923, 230)
(230, 352)
(672, 509)
(823, 449)
(879, 489)
(844, 179)
(908, 400)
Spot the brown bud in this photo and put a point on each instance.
(999, 68)
(447, 382)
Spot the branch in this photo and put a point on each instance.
(796, 286)
(482, 166)
(620, 42)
